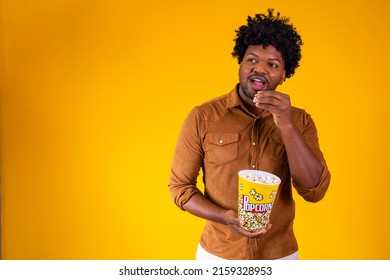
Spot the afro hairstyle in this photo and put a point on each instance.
(272, 30)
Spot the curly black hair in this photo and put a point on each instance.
(272, 30)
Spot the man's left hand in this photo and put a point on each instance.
(277, 103)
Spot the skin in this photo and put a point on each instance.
(260, 73)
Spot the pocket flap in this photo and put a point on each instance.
(222, 139)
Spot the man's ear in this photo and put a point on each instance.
(283, 78)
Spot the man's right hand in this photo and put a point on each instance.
(200, 206)
(236, 223)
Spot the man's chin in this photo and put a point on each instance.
(248, 92)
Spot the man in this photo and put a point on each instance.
(252, 127)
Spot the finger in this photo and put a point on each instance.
(272, 106)
(268, 100)
(256, 97)
(267, 95)
(239, 223)
(263, 231)
(272, 102)
(276, 95)
(256, 234)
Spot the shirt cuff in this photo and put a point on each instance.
(317, 192)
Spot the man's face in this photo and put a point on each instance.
(261, 69)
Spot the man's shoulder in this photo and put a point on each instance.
(220, 100)
(301, 116)
(299, 111)
(214, 108)
(216, 103)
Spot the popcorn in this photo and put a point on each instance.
(268, 180)
(256, 196)
(253, 221)
(256, 193)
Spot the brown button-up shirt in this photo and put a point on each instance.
(222, 137)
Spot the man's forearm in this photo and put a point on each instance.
(200, 206)
(305, 167)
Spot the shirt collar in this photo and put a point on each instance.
(234, 99)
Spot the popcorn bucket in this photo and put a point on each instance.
(256, 194)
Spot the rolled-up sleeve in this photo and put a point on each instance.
(314, 194)
(318, 192)
(187, 161)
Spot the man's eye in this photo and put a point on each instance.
(251, 60)
(273, 65)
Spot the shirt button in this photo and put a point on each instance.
(253, 166)
(254, 144)
(221, 141)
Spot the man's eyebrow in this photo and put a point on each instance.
(274, 58)
(253, 54)
(270, 58)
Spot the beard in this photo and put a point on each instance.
(247, 91)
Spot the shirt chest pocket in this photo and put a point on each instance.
(221, 148)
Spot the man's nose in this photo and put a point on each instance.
(260, 68)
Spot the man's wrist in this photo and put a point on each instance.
(287, 128)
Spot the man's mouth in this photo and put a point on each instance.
(258, 82)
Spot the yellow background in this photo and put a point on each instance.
(93, 94)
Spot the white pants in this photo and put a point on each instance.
(202, 254)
